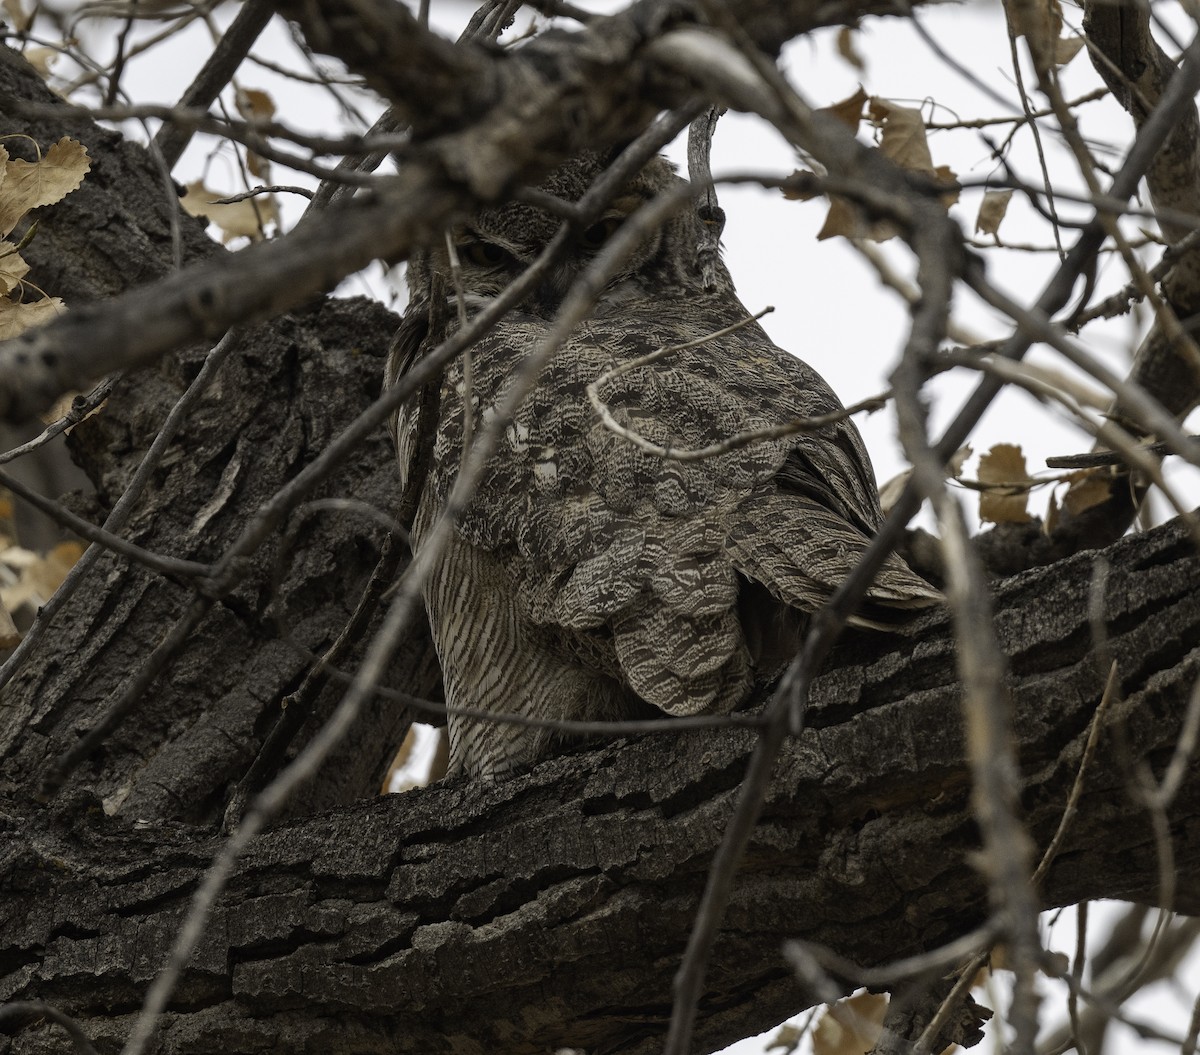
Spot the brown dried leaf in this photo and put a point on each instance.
(799, 192)
(945, 174)
(992, 210)
(1066, 48)
(1002, 470)
(1040, 23)
(847, 50)
(849, 110)
(10, 636)
(890, 492)
(788, 1037)
(16, 318)
(903, 136)
(1050, 521)
(254, 104)
(842, 219)
(12, 267)
(235, 219)
(29, 185)
(260, 167)
(1088, 488)
(41, 59)
(846, 219)
(851, 1026)
(903, 139)
(38, 577)
(18, 17)
(954, 467)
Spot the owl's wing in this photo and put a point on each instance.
(600, 536)
(804, 533)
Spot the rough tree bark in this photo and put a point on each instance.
(547, 911)
(551, 910)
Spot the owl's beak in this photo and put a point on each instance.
(553, 289)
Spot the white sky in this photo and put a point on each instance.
(829, 307)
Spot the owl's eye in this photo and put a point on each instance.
(599, 233)
(483, 254)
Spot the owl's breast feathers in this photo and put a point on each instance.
(600, 536)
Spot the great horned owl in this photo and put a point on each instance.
(587, 578)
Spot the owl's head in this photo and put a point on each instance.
(496, 244)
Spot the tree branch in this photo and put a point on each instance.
(373, 928)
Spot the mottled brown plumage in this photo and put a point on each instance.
(589, 578)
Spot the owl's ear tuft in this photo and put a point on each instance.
(616, 150)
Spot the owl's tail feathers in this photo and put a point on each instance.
(802, 551)
(896, 596)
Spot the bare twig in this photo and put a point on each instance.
(226, 57)
(81, 406)
(173, 567)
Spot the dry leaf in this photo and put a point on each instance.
(846, 219)
(890, 492)
(12, 267)
(16, 318)
(41, 59)
(260, 167)
(253, 104)
(1040, 23)
(992, 210)
(954, 467)
(31, 184)
(851, 1026)
(1055, 964)
(1002, 470)
(903, 134)
(1050, 522)
(38, 577)
(235, 219)
(1088, 488)
(18, 17)
(847, 50)
(10, 636)
(842, 219)
(787, 1037)
(799, 192)
(903, 140)
(849, 110)
(945, 174)
(1066, 48)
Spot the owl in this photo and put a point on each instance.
(588, 578)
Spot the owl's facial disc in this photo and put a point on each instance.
(497, 244)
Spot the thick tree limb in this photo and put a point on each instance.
(549, 910)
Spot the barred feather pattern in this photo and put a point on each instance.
(588, 578)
